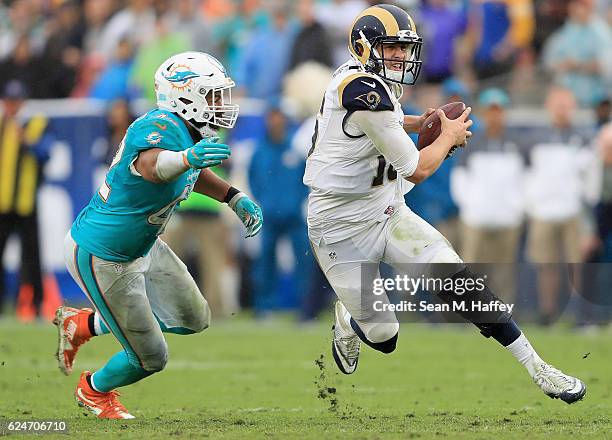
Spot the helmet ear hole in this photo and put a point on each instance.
(359, 48)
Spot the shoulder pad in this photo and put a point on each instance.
(364, 92)
(158, 131)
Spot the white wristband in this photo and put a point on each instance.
(170, 165)
(234, 200)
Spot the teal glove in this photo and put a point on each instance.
(206, 153)
(248, 212)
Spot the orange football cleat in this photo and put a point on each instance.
(102, 405)
(73, 331)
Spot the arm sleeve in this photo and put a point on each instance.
(387, 134)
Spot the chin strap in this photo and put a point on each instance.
(205, 130)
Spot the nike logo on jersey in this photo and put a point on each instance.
(373, 85)
(161, 126)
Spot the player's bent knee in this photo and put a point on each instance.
(379, 336)
(379, 333)
(157, 364)
(445, 255)
(202, 320)
(386, 346)
(157, 360)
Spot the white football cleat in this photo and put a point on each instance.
(558, 385)
(346, 344)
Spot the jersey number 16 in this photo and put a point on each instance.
(380, 172)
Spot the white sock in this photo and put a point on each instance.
(97, 327)
(91, 379)
(522, 350)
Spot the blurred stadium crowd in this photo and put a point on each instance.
(533, 186)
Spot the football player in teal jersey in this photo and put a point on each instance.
(138, 286)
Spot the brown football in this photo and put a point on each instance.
(432, 127)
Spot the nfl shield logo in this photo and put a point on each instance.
(390, 210)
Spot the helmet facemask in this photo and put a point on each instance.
(410, 67)
(214, 108)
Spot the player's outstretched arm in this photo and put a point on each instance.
(159, 166)
(454, 132)
(248, 212)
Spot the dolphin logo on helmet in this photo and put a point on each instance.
(182, 76)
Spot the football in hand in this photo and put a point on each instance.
(432, 127)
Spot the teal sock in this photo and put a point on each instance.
(117, 372)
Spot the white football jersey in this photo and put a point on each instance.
(351, 183)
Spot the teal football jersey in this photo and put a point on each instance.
(125, 216)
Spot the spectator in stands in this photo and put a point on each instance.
(22, 18)
(337, 16)
(579, 55)
(498, 30)
(597, 278)
(186, 18)
(96, 14)
(560, 161)
(550, 16)
(113, 81)
(152, 53)
(266, 56)
(440, 24)
(275, 179)
(23, 66)
(603, 112)
(135, 22)
(118, 117)
(24, 146)
(62, 54)
(604, 208)
(312, 42)
(487, 185)
(233, 33)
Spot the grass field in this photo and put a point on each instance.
(243, 380)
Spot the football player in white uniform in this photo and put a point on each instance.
(361, 164)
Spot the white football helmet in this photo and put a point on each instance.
(184, 82)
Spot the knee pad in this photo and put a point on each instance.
(380, 332)
(156, 361)
(444, 253)
(202, 320)
(380, 336)
(196, 321)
